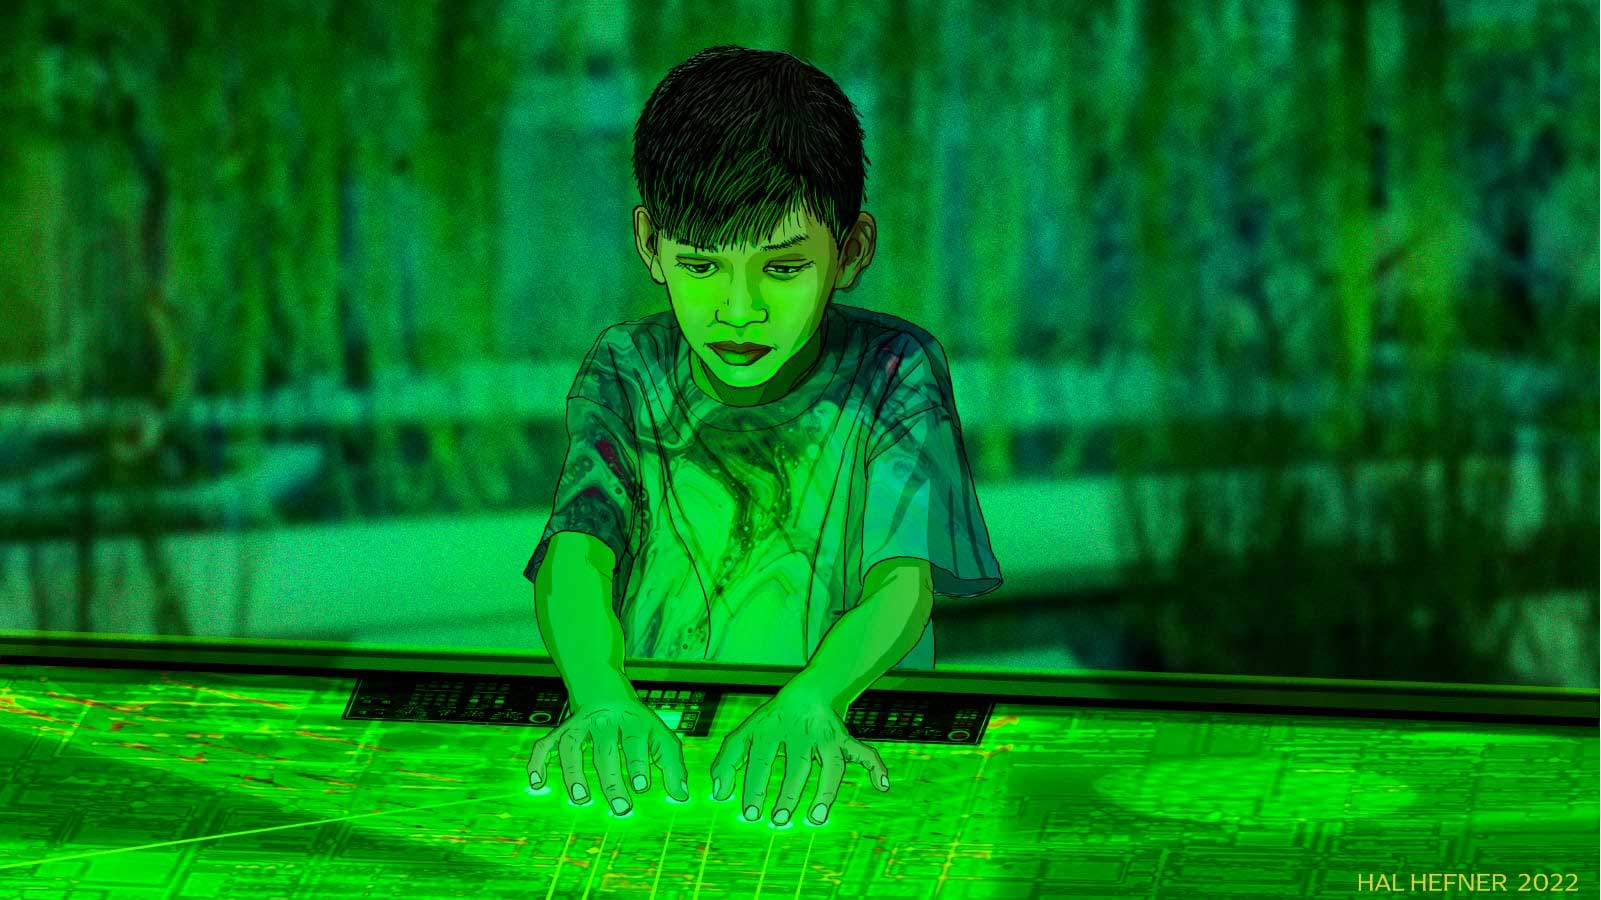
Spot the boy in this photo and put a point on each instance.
(757, 468)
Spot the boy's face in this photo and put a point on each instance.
(747, 310)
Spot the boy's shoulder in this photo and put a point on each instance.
(636, 347)
(653, 331)
(903, 349)
(872, 333)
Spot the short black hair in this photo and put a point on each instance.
(733, 139)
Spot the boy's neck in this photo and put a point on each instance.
(783, 381)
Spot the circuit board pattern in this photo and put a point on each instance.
(137, 784)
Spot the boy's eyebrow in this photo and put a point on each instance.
(788, 242)
(781, 245)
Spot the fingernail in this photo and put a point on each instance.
(883, 782)
(619, 805)
(751, 813)
(781, 817)
(717, 788)
(820, 813)
(536, 781)
(640, 782)
(683, 788)
(580, 794)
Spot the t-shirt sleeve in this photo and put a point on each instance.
(921, 502)
(599, 484)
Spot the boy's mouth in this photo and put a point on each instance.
(739, 354)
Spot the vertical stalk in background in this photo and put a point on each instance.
(1429, 194)
(322, 60)
(38, 271)
(1297, 310)
(439, 340)
(31, 219)
(1154, 301)
(382, 125)
(1349, 155)
(1469, 567)
(39, 212)
(1428, 270)
(319, 63)
(466, 75)
(948, 138)
(900, 181)
(1121, 48)
(261, 194)
(1145, 446)
(998, 225)
(563, 311)
(1070, 195)
(1305, 207)
(1197, 296)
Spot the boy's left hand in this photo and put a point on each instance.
(806, 730)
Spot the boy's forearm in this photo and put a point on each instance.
(868, 640)
(573, 605)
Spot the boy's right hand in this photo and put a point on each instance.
(627, 738)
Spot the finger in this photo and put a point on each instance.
(608, 768)
(757, 772)
(868, 758)
(571, 749)
(730, 758)
(830, 772)
(538, 759)
(797, 766)
(636, 755)
(669, 756)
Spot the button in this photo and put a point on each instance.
(539, 718)
(959, 734)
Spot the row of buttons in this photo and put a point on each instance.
(653, 694)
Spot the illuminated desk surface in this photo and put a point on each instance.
(211, 769)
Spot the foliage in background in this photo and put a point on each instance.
(1395, 201)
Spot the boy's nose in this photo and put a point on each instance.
(740, 309)
(739, 317)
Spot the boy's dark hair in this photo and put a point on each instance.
(732, 139)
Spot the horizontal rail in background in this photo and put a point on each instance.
(1051, 536)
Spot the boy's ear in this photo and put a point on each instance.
(647, 242)
(856, 254)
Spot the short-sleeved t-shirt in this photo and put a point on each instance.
(743, 533)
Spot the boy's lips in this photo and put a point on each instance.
(739, 353)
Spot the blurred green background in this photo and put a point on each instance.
(1273, 323)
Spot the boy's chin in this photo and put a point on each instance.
(744, 376)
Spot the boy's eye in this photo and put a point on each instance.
(696, 268)
(785, 270)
